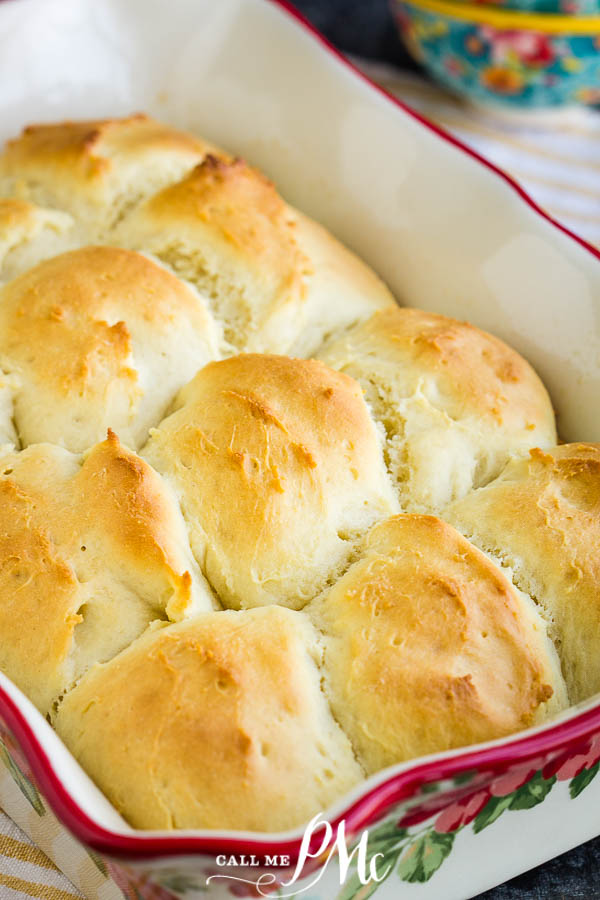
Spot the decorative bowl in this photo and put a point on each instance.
(560, 7)
(517, 59)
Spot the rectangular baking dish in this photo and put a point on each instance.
(449, 233)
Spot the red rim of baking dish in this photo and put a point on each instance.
(378, 799)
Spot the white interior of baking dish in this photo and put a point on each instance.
(447, 233)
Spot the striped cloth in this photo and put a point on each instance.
(27, 872)
(557, 159)
(554, 155)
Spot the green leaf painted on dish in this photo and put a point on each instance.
(424, 857)
(27, 788)
(430, 788)
(180, 882)
(533, 792)
(581, 781)
(98, 862)
(491, 811)
(386, 834)
(464, 777)
(354, 889)
(388, 840)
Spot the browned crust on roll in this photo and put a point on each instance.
(429, 646)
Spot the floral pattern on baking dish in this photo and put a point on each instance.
(415, 851)
(415, 840)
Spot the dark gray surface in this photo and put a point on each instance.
(366, 29)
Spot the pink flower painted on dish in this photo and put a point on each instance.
(134, 887)
(516, 777)
(567, 766)
(464, 803)
(433, 805)
(528, 47)
(462, 812)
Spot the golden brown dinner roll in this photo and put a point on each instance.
(7, 429)
(96, 170)
(429, 646)
(218, 722)
(278, 467)
(91, 551)
(455, 402)
(29, 234)
(541, 517)
(99, 337)
(279, 282)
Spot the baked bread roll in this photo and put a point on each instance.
(275, 279)
(278, 282)
(96, 170)
(231, 727)
(29, 233)
(455, 402)
(91, 551)
(278, 467)
(99, 337)
(541, 518)
(8, 434)
(428, 646)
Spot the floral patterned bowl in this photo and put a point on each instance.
(518, 59)
(562, 7)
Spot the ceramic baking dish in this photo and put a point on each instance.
(449, 233)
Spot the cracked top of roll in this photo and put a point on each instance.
(278, 281)
(542, 518)
(91, 550)
(428, 646)
(455, 401)
(30, 233)
(236, 731)
(278, 467)
(97, 169)
(99, 338)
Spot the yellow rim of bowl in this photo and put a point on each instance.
(550, 23)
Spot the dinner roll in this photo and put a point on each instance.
(430, 647)
(8, 434)
(96, 170)
(279, 282)
(218, 722)
(91, 551)
(29, 234)
(278, 467)
(99, 337)
(455, 402)
(542, 518)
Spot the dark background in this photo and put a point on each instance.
(366, 29)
